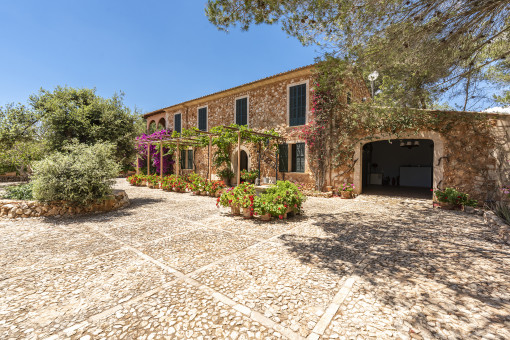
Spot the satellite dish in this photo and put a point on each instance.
(373, 76)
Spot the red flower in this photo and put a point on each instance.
(281, 217)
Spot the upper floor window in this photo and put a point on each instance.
(297, 105)
(202, 119)
(177, 123)
(242, 111)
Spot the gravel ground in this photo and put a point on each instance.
(175, 266)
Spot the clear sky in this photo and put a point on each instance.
(158, 52)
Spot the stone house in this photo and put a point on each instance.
(425, 159)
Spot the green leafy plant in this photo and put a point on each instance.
(19, 192)
(250, 176)
(501, 209)
(455, 197)
(79, 175)
(347, 187)
(225, 173)
(278, 199)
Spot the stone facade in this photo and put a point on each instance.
(462, 159)
(23, 209)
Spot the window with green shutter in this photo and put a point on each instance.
(298, 157)
(190, 159)
(297, 105)
(182, 159)
(177, 123)
(242, 111)
(202, 119)
(283, 158)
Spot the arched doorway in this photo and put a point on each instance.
(398, 166)
(161, 124)
(379, 161)
(152, 127)
(244, 160)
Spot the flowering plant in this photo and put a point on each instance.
(226, 199)
(347, 187)
(279, 198)
(154, 151)
(197, 183)
(249, 176)
(136, 179)
(452, 196)
(168, 181)
(506, 190)
(153, 181)
(214, 186)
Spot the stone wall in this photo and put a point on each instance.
(267, 109)
(6, 179)
(463, 158)
(23, 209)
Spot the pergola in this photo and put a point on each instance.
(193, 141)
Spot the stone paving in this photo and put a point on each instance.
(174, 266)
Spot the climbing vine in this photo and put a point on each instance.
(337, 122)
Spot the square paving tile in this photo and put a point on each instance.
(190, 251)
(270, 279)
(180, 311)
(142, 232)
(54, 299)
(27, 247)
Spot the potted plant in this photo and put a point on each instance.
(226, 174)
(179, 185)
(215, 187)
(249, 176)
(227, 199)
(346, 190)
(452, 199)
(153, 181)
(280, 199)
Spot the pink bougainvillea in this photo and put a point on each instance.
(141, 148)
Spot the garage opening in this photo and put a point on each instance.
(402, 167)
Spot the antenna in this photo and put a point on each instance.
(372, 77)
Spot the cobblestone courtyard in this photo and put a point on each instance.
(174, 266)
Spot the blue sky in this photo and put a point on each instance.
(158, 52)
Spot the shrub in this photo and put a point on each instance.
(19, 192)
(279, 198)
(502, 210)
(81, 174)
(249, 176)
(452, 196)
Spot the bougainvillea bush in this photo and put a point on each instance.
(154, 150)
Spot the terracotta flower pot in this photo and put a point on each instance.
(247, 213)
(265, 217)
(235, 210)
(346, 194)
(449, 206)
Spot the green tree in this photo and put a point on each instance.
(20, 141)
(69, 115)
(422, 49)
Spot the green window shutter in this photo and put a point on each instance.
(182, 159)
(202, 119)
(283, 158)
(242, 111)
(297, 105)
(300, 157)
(190, 159)
(177, 123)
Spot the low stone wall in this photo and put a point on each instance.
(500, 227)
(23, 209)
(4, 179)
